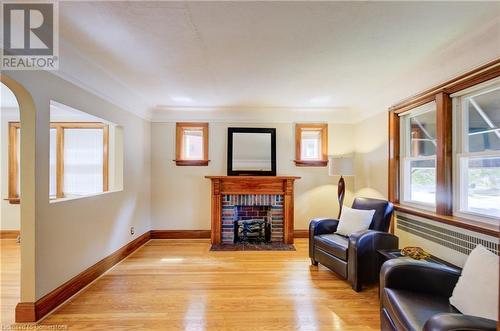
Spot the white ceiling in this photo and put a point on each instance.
(335, 60)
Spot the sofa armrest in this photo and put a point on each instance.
(319, 226)
(419, 276)
(449, 322)
(363, 262)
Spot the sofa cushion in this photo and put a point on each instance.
(410, 310)
(333, 244)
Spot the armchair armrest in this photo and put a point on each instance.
(449, 322)
(323, 226)
(319, 226)
(419, 276)
(363, 257)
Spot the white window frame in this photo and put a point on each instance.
(406, 157)
(460, 149)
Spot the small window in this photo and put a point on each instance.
(311, 144)
(418, 151)
(191, 144)
(477, 158)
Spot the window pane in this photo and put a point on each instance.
(482, 185)
(193, 144)
(484, 121)
(423, 181)
(83, 161)
(52, 163)
(311, 145)
(423, 134)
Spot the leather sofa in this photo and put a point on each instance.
(354, 258)
(414, 295)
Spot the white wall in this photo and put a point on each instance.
(73, 235)
(180, 196)
(10, 214)
(371, 157)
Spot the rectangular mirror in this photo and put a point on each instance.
(251, 151)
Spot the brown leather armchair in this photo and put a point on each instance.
(414, 295)
(354, 258)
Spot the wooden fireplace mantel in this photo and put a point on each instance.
(223, 185)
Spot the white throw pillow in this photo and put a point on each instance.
(353, 220)
(476, 292)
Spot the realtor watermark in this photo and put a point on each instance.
(30, 35)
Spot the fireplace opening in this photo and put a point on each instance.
(252, 231)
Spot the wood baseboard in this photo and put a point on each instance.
(180, 234)
(9, 234)
(25, 312)
(303, 233)
(32, 312)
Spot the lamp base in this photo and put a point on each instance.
(340, 194)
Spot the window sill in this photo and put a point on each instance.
(13, 201)
(315, 163)
(72, 198)
(484, 228)
(194, 163)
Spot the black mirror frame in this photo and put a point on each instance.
(231, 172)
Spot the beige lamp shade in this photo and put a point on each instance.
(340, 166)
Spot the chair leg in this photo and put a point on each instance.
(356, 286)
(313, 261)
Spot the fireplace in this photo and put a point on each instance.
(261, 198)
(256, 218)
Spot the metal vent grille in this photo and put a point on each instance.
(461, 242)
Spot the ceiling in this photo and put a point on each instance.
(330, 59)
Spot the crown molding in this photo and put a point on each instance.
(254, 114)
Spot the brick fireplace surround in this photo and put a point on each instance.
(247, 197)
(252, 206)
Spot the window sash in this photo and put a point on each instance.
(406, 184)
(182, 140)
(314, 136)
(407, 158)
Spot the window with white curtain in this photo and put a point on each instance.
(477, 152)
(53, 163)
(418, 155)
(83, 161)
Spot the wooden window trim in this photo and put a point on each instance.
(444, 158)
(323, 127)
(179, 141)
(464, 223)
(13, 162)
(13, 197)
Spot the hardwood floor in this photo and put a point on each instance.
(10, 278)
(181, 285)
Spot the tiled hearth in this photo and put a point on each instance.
(251, 206)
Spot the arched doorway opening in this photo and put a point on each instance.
(24, 156)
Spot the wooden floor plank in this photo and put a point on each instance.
(181, 285)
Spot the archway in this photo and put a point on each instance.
(25, 309)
